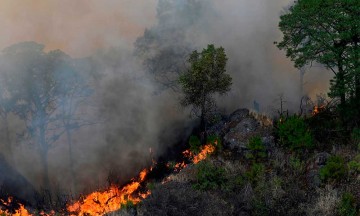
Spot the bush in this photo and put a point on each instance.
(296, 165)
(354, 165)
(215, 141)
(128, 205)
(355, 137)
(333, 170)
(259, 208)
(256, 173)
(347, 206)
(294, 134)
(209, 177)
(195, 144)
(257, 149)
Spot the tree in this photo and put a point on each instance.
(205, 77)
(164, 47)
(73, 92)
(326, 32)
(44, 90)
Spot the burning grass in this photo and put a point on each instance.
(21, 211)
(99, 203)
(114, 198)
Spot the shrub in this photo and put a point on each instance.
(333, 170)
(256, 173)
(209, 177)
(259, 208)
(296, 165)
(195, 144)
(293, 133)
(257, 149)
(355, 137)
(354, 165)
(128, 205)
(347, 206)
(215, 141)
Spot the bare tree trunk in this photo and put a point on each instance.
(71, 157)
(357, 79)
(203, 123)
(44, 150)
(8, 139)
(341, 88)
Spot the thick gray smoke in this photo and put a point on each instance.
(134, 109)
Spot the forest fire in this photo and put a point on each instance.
(21, 211)
(318, 109)
(99, 203)
(204, 151)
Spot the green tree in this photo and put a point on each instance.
(205, 77)
(326, 32)
(164, 47)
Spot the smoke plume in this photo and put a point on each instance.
(133, 114)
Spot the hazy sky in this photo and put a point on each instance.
(78, 27)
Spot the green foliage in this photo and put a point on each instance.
(255, 173)
(333, 170)
(209, 177)
(347, 206)
(314, 31)
(294, 134)
(354, 165)
(215, 141)
(235, 183)
(259, 208)
(150, 186)
(205, 77)
(257, 149)
(164, 47)
(195, 144)
(355, 137)
(128, 205)
(296, 165)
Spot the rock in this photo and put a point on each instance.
(246, 125)
(237, 137)
(234, 143)
(269, 142)
(321, 158)
(238, 115)
(217, 129)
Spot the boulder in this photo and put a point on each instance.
(321, 158)
(238, 115)
(237, 137)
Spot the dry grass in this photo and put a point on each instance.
(265, 120)
(325, 203)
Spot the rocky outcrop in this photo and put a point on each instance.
(240, 127)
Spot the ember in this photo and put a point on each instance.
(318, 109)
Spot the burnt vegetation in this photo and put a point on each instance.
(296, 162)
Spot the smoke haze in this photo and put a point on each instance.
(136, 117)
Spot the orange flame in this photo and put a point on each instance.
(22, 211)
(205, 151)
(318, 109)
(99, 203)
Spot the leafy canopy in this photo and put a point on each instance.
(326, 32)
(205, 77)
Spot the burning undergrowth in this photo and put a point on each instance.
(116, 197)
